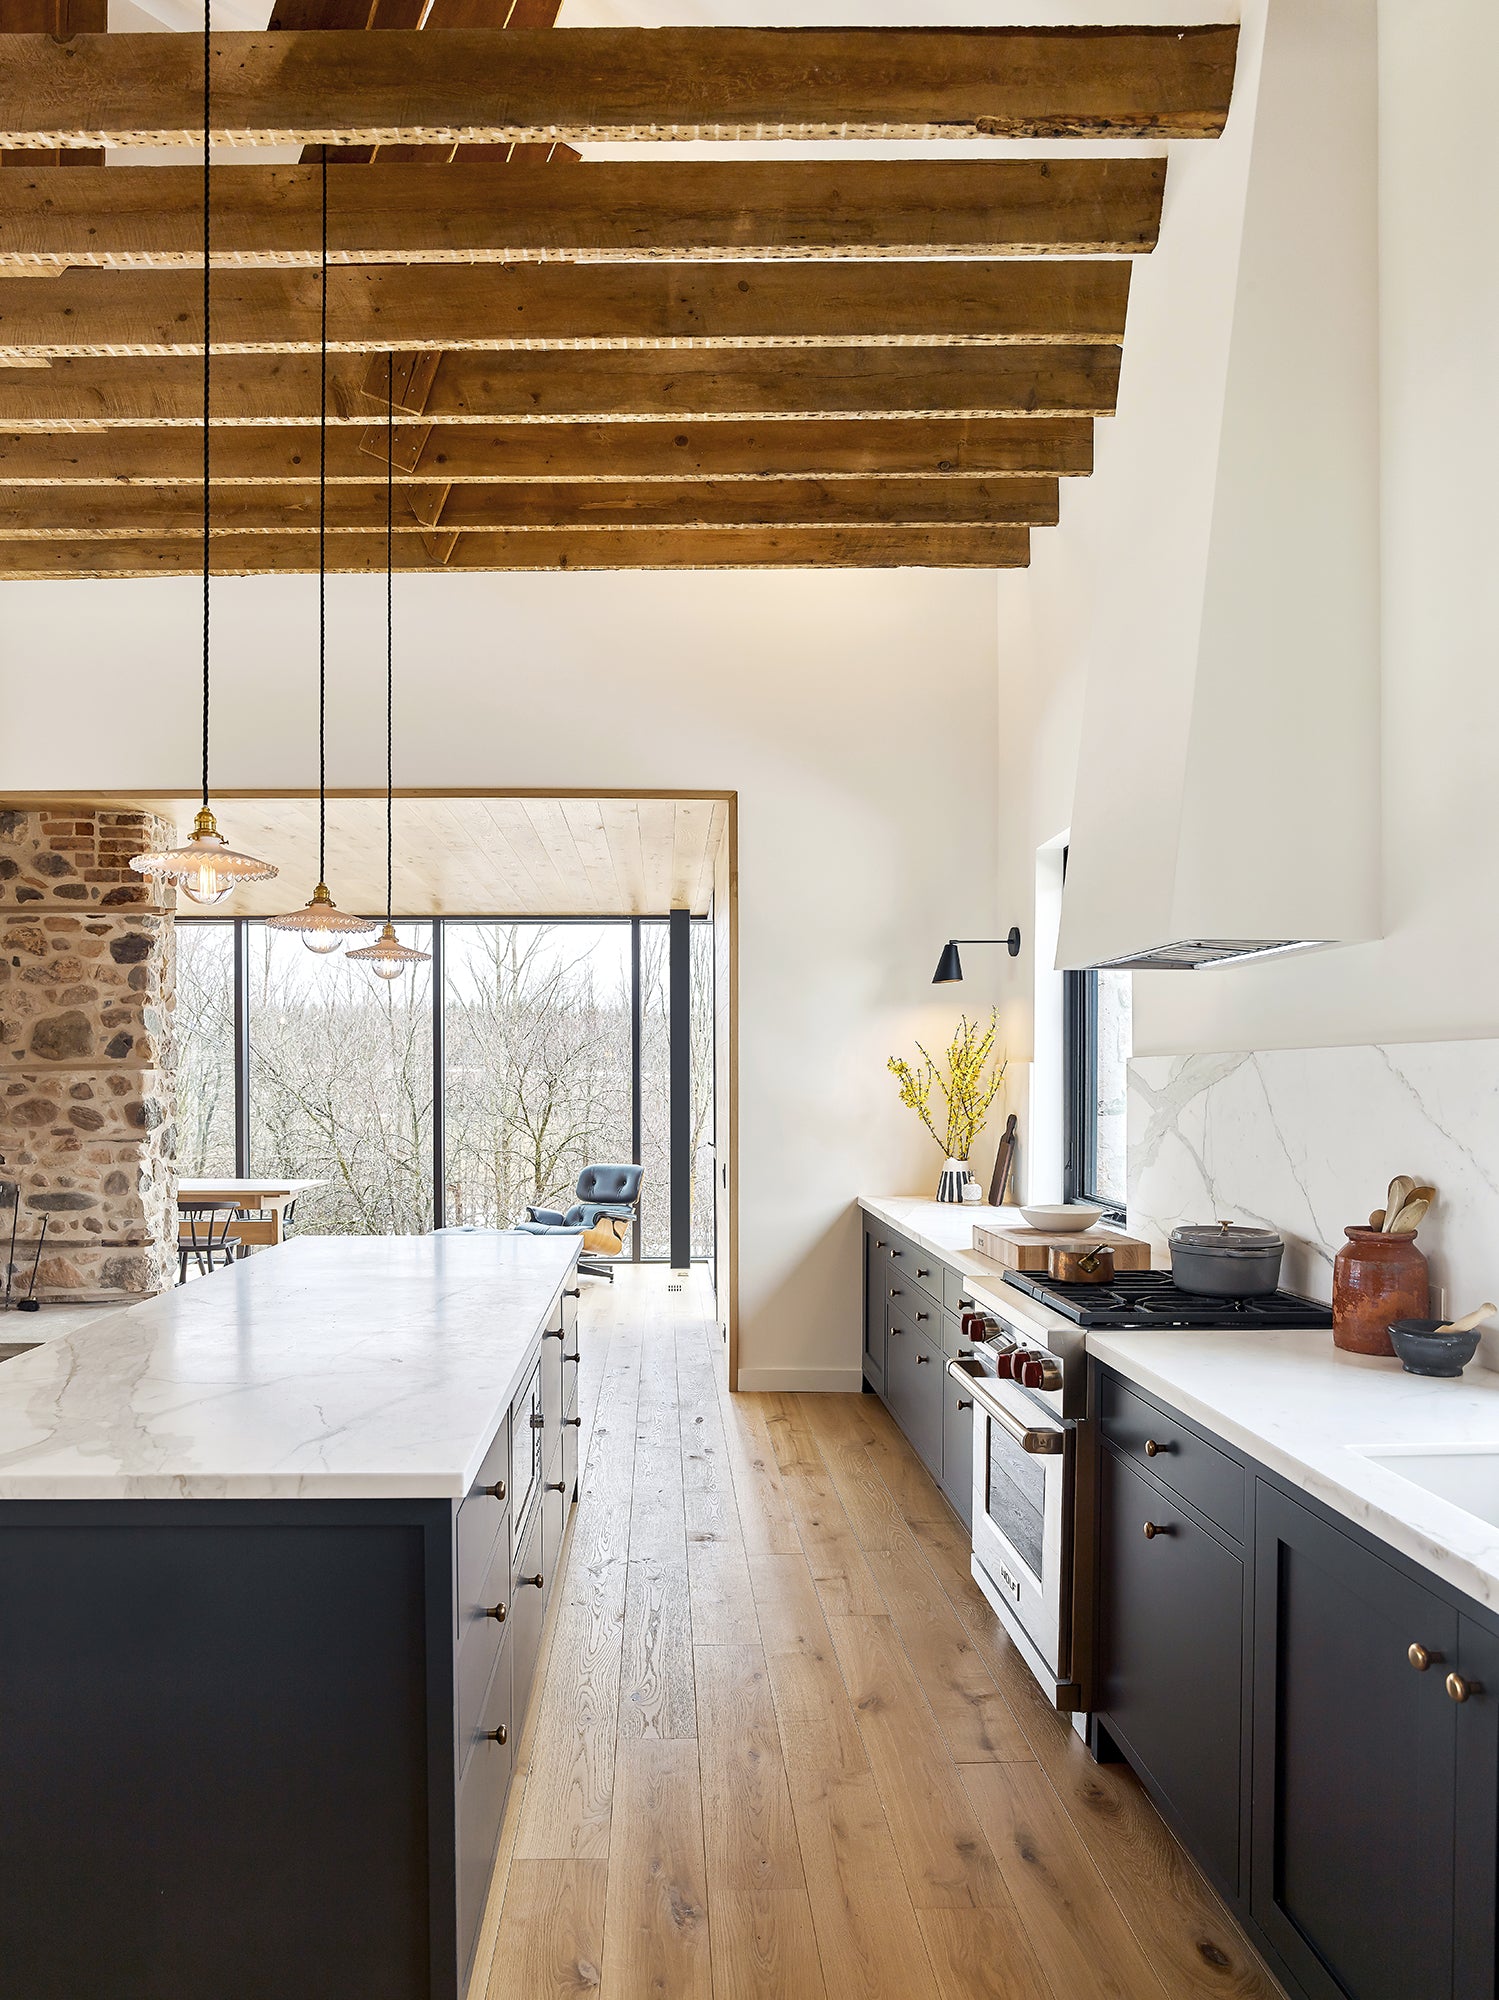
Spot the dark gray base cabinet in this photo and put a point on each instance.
(908, 1338)
(1284, 1695)
(260, 1750)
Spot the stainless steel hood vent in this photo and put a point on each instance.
(1193, 954)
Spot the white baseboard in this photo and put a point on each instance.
(813, 1381)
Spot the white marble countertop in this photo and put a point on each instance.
(333, 1367)
(1290, 1400)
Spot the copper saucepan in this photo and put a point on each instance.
(1092, 1265)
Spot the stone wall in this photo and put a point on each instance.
(86, 1107)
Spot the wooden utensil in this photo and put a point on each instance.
(1398, 1196)
(1376, 1218)
(1408, 1220)
(1469, 1320)
(1004, 1165)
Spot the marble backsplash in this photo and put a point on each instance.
(1307, 1140)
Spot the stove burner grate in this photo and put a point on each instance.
(1150, 1298)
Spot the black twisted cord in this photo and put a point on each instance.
(322, 562)
(207, 363)
(390, 679)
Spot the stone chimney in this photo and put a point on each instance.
(86, 1108)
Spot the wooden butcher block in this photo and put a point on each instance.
(1030, 1249)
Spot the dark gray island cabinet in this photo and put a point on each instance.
(275, 1554)
(1316, 1715)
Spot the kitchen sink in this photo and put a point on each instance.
(1465, 1475)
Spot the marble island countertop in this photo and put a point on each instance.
(1320, 1418)
(330, 1368)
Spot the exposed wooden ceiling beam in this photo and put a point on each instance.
(675, 384)
(533, 307)
(902, 448)
(606, 548)
(90, 511)
(606, 84)
(612, 210)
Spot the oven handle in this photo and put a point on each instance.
(1041, 1442)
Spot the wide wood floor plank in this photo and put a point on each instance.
(656, 1930)
(1074, 1926)
(844, 1580)
(979, 1955)
(655, 1688)
(749, 1832)
(790, 1612)
(723, 1602)
(551, 1937)
(764, 1945)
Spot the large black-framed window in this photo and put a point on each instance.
(1095, 1056)
(525, 1049)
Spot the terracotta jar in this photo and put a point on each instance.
(1376, 1279)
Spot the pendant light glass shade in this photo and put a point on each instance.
(387, 957)
(320, 924)
(207, 869)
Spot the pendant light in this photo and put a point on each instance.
(387, 957)
(320, 924)
(207, 869)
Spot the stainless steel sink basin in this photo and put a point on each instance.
(1465, 1475)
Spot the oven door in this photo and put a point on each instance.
(1024, 1481)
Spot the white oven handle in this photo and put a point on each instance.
(1041, 1440)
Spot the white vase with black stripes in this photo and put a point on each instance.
(955, 1177)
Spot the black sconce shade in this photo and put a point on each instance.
(950, 966)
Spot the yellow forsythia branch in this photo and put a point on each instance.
(967, 1089)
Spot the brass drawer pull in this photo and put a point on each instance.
(553, 1333)
(1154, 1528)
(922, 1274)
(495, 1492)
(921, 1316)
(572, 1357)
(923, 1360)
(535, 1582)
(1153, 1450)
(965, 1402)
(500, 1735)
(572, 1423)
(577, 1293)
(556, 1486)
(1460, 1690)
(498, 1612)
(1420, 1659)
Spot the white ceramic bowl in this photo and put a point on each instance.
(1062, 1221)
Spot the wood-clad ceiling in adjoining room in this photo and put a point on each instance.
(509, 857)
(838, 361)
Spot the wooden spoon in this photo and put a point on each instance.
(1408, 1220)
(1469, 1320)
(1376, 1218)
(1398, 1196)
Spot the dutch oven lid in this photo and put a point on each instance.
(1225, 1238)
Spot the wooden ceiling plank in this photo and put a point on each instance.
(679, 384)
(552, 307)
(621, 819)
(619, 84)
(828, 449)
(550, 829)
(71, 511)
(590, 549)
(585, 825)
(658, 852)
(613, 211)
(692, 824)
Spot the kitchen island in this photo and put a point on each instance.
(275, 1550)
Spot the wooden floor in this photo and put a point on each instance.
(782, 1748)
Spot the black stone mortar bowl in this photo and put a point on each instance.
(1424, 1351)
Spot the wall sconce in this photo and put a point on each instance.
(950, 966)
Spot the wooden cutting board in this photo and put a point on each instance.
(1030, 1249)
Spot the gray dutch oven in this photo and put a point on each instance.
(1226, 1260)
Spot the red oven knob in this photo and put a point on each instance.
(1004, 1367)
(1030, 1371)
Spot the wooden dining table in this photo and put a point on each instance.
(266, 1197)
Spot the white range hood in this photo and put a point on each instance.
(1227, 798)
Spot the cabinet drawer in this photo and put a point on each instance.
(956, 1294)
(1179, 1456)
(480, 1636)
(551, 1378)
(481, 1805)
(913, 1389)
(1172, 1643)
(527, 1610)
(482, 1517)
(924, 1270)
(570, 1436)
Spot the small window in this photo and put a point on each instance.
(1096, 1052)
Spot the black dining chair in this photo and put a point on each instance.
(206, 1239)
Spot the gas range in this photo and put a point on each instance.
(1137, 1299)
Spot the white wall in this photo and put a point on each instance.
(854, 713)
(1435, 972)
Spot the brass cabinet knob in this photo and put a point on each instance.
(572, 1357)
(1152, 1449)
(556, 1486)
(577, 1293)
(965, 1353)
(922, 1360)
(921, 1316)
(498, 1612)
(495, 1492)
(1420, 1659)
(1154, 1528)
(965, 1402)
(534, 1581)
(553, 1333)
(1460, 1690)
(572, 1423)
(894, 1294)
(921, 1273)
(500, 1735)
